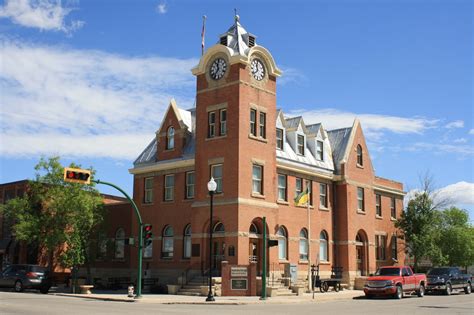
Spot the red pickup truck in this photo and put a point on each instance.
(395, 281)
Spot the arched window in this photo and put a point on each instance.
(360, 157)
(187, 242)
(282, 241)
(219, 228)
(303, 244)
(101, 246)
(323, 246)
(119, 244)
(253, 229)
(170, 138)
(168, 242)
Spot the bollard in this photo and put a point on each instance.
(130, 290)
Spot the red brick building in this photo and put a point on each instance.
(261, 160)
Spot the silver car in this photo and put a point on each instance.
(22, 277)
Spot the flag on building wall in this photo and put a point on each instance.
(302, 198)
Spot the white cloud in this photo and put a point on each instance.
(460, 140)
(47, 15)
(373, 124)
(437, 148)
(455, 124)
(471, 132)
(85, 103)
(291, 75)
(458, 194)
(162, 8)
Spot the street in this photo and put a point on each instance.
(33, 303)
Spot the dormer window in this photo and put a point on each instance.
(319, 150)
(300, 145)
(170, 138)
(279, 138)
(360, 158)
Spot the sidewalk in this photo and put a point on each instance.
(220, 300)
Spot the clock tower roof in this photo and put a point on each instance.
(237, 39)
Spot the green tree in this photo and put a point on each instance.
(417, 223)
(454, 238)
(57, 215)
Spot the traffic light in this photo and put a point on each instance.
(147, 235)
(77, 175)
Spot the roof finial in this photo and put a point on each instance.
(236, 17)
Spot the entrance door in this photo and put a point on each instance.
(360, 260)
(254, 254)
(218, 256)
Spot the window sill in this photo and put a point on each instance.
(324, 262)
(257, 195)
(168, 259)
(393, 219)
(264, 140)
(169, 150)
(283, 202)
(283, 261)
(305, 207)
(324, 209)
(379, 217)
(215, 138)
(188, 200)
(147, 204)
(167, 201)
(360, 166)
(303, 262)
(361, 212)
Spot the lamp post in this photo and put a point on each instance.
(211, 187)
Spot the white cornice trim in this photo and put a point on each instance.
(303, 170)
(172, 164)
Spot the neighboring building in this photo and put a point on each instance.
(20, 252)
(261, 160)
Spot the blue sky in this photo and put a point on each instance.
(90, 80)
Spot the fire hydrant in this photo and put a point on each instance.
(130, 290)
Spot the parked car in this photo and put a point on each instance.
(395, 281)
(22, 277)
(447, 279)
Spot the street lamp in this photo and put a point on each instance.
(211, 187)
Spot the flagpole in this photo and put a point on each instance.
(310, 280)
(203, 33)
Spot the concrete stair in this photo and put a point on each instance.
(194, 287)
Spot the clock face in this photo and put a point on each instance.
(258, 70)
(218, 68)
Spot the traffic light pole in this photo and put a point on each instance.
(140, 234)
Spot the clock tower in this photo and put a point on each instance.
(235, 133)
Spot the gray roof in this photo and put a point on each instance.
(238, 38)
(313, 129)
(339, 139)
(293, 123)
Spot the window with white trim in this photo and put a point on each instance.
(211, 128)
(257, 179)
(223, 122)
(253, 122)
(169, 187)
(378, 205)
(319, 150)
(190, 185)
(380, 244)
(170, 138)
(298, 186)
(279, 138)
(282, 195)
(360, 199)
(360, 157)
(393, 208)
(216, 173)
(168, 242)
(282, 242)
(187, 242)
(262, 125)
(323, 246)
(148, 193)
(303, 244)
(323, 195)
(300, 144)
(120, 244)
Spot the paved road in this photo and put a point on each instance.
(33, 303)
